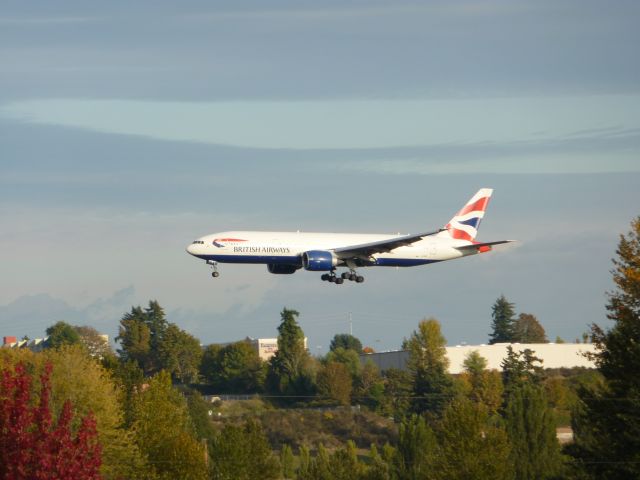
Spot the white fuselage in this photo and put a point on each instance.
(286, 248)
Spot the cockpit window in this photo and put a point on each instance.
(198, 242)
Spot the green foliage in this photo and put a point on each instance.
(607, 419)
(164, 431)
(287, 462)
(342, 464)
(432, 385)
(527, 329)
(346, 341)
(147, 338)
(503, 321)
(243, 453)
(348, 357)
(334, 382)
(61, 334)
(416, 449)
(234, 368)
(180, 354)
(482, 386)
(396, 399)
(291, 373)
(519, 368)
(535, 451)
(469, 445)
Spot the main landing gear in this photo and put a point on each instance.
(350, 275)
(214, 265)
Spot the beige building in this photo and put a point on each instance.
(553, 355)
(267, 347)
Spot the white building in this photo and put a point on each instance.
(267, 347)
(553, 355)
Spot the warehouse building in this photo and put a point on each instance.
(553, 355)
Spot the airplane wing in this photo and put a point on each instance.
(480, 247)
(381, 246)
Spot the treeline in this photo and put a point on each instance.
(78, 411)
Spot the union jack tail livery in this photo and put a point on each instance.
(464, 225)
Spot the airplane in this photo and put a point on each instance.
(288, 252)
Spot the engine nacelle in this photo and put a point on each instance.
(319, 260)
(281, 269)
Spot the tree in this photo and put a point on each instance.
(164, 431)
(607, 421)
(234, 368)
(483, 386)
(134, 336)
(180, 354)
(61, 333)
(334, 382)
(502, 325)
(416, 448)
(469, 445)
(346, 341)
(243, 453)
(527, 329)
(290, 372)
(519, 368)
(535, 451)
(348, 357)
(96, 345)
(428, 364)
(32, 445)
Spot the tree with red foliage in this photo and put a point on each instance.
(32, 445)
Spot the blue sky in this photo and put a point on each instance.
(126, 131)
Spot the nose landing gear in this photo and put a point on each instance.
(214, 265)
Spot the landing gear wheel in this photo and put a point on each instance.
(325, 277)
(345, 275)
(215, 274)
(353, 277)
(339, 281)
(332, 279)
(359, 279)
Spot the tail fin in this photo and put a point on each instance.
(464, 225)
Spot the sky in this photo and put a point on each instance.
(129, 129)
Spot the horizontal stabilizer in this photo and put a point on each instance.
(480, 247)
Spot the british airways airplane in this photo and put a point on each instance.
(287, 252)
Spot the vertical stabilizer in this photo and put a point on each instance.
(464, 225)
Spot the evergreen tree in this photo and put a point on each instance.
(416, 448)
(290, 372)
(502, 314)
(607, 422)
(535, 451)
(519, 368)
(427, 364)
(469, 445)
(527, 329)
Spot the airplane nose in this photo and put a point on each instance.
(191, 249)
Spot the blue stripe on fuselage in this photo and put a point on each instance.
(275, 259)
(295, 260)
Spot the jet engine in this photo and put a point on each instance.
(319, 260)
(281, 269)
